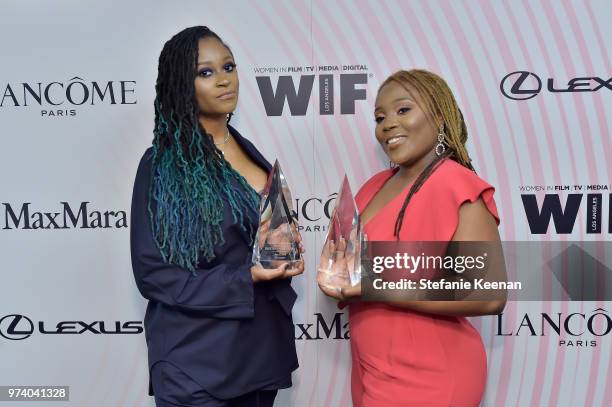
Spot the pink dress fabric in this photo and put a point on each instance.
(404, 358)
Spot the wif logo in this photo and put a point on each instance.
(564, 216)
(298, 97)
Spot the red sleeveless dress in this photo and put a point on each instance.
(403, 358)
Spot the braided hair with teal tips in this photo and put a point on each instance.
(190, 181)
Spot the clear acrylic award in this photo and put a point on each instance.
(340, 264)
(276, 241)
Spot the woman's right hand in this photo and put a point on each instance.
(259, 273)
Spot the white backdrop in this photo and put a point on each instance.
(90, 151)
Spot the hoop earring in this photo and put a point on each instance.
(440, 147)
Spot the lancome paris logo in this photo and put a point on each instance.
(338, 89)
(523, 85)
(66, 216)
(64, 98)
(575, 329)
(313, 213)
(17, 327)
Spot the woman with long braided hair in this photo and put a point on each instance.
(218, 328)
(408, 352)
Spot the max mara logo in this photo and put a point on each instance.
(23, 216)
(336, 327)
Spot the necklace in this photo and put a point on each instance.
(224, 142)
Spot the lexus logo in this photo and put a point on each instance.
(16, 327)
(520, 85)
(523, 85)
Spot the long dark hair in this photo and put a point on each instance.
(439, 105)
(190, 179)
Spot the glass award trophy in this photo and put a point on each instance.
(276, 241)
(340, 264)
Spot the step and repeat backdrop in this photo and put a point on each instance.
(76, 113)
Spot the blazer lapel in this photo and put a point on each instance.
(250, 150)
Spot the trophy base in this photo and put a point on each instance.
(272, 264)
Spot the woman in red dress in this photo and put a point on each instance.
(420, 353)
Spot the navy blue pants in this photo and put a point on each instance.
(174, 388)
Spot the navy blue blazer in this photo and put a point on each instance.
(225, 332)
